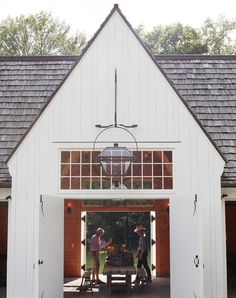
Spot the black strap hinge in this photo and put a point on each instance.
(83, 267)
(153, 242)
(40, 262)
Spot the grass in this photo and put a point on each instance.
(103, 255)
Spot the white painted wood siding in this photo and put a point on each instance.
(144, 98)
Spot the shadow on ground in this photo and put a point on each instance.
(160, 287)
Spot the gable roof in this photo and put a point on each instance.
(208, 85)
(10, 141)
(116, 9)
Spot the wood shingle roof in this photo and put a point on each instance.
(207, 84)
(26, 83)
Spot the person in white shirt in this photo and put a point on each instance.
(95, 246)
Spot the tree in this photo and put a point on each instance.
(218, 36)
(38, 34)
(173, 39)
(214, 37)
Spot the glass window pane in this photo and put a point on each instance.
(127, 183)
(137, 183)
(157, 156)
(157, 183)
(95, 183)
(75, 156)
(137, 170)
(157, 170)
(85, 183)
(65, 170)
(65, 156)
(168, 170)
(94, 156)
(65, 183)
(128, 172)
(147, 183)
(106, 184)
(96, 170)
(147, 156)
(147, 170)
(75, 183)
(75, 170)
(85, 170)
(167, 156)
(137, 156)
(86, 156)
(168, 183)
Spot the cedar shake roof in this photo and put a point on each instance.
(26, 83)
(208, 85)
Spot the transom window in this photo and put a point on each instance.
(151, 169)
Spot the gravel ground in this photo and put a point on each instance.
(160, 287)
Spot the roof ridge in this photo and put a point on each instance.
(39, 58)
(194, 56)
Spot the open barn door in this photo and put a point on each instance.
(51, 247)
(195, 244)
(153, 242)
(83, 241)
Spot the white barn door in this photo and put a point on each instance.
(51, 247)
(83, 241)
(153, 242)
(197, 255)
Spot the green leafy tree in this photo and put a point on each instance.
(214, 37)
(173, 39)
(38, 34)
(218, 35)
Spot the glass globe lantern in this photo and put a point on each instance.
(115, 160)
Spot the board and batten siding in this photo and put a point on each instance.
(144, 98)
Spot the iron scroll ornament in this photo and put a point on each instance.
(115, 160)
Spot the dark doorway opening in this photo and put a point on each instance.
(3, 243)
(77, 235)
(230, 215)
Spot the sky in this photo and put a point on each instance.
(86, 16)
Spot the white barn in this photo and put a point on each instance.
(150, 93)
